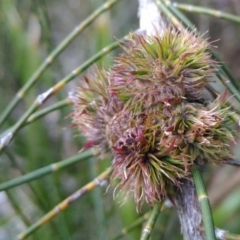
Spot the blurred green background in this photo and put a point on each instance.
(29, 31)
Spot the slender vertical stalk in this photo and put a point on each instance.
(204, 204)
(146, 233)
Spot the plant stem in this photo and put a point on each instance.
(207, 11)
(204, 204)
(180, 16)
(45, 111)
(41, 113)
(229, 86)
(98, 181)
(135, 224)
(146, 233)
(168, 14)
(52, 56)
(38, 200)
(54, 167)
(7, 137)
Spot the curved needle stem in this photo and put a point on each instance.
(54, 167)
(7, 137)
(207, 11)
(52, 56)
(98, 181)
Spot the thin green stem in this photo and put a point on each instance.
(179, 15)
(135, 224)
(52, 56)
(54, 167)
(207, 11)
(146, 233)
(14, 202)
(99, 181)
(169, 14)
(229, 86)
(42, 13)
(7, 137)
(204, 204)
(41, 113)
(38, 199)
(45, 111)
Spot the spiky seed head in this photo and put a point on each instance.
(200, 131)
(93, 108)
(161, 70)
(146, 113)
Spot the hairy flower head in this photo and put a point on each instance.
(156, 71)
(93, 109)
(147, 113)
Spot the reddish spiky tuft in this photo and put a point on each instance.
(149, 115)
